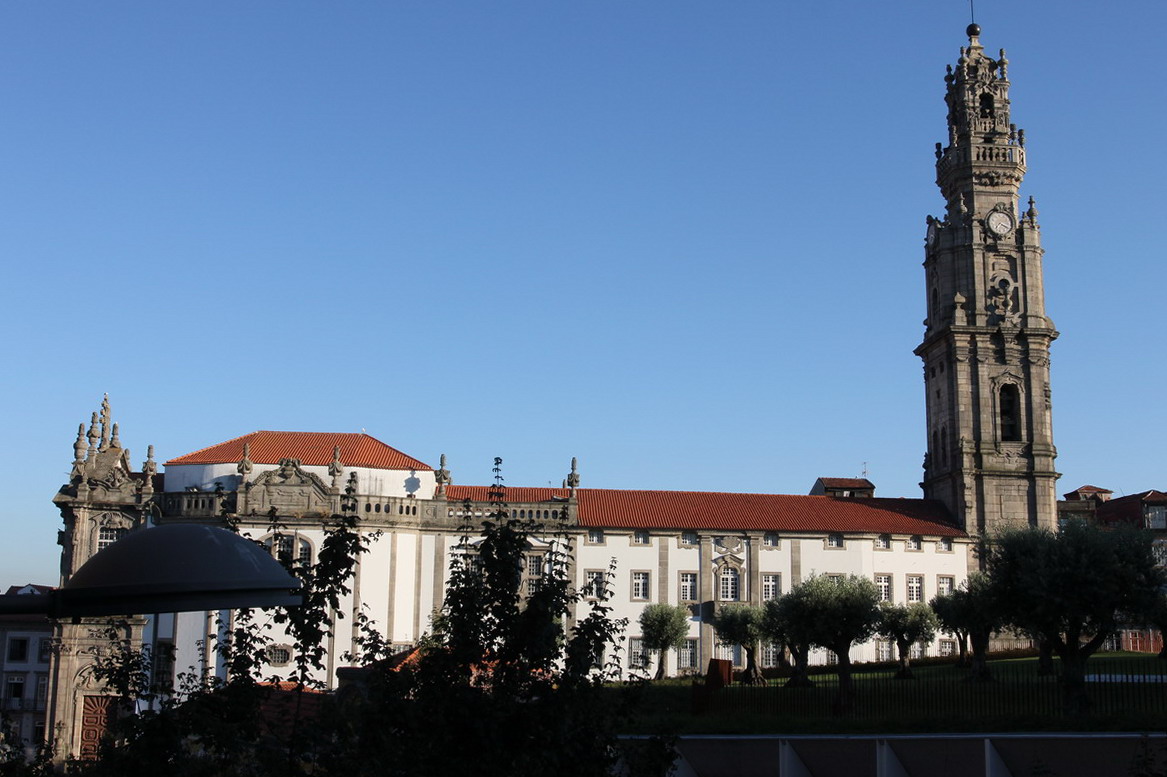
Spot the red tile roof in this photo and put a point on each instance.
(311, 448)
(757, 512)
(847, 483)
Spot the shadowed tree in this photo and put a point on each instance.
(1073, 588)
(905, 625)
(782, 623)
(836, 613)
(741, 624)
(662, 627)
(971, 612)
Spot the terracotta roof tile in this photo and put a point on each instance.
(311, 448)
(603, 508)
(847, 483)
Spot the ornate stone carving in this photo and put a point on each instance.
(289, 489)
(442, 476)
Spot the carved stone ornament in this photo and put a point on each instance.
(289, 489)
(728, 544)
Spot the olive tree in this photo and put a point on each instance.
(837, 612)
(972, 615)
(905, 625)
(783, 622)
(1073, 588)
(663, 627)
(741, 624)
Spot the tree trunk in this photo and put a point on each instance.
(1075, 702)
(660, 665)
(799, 677)
(903, 647)
(845, 701)
(962, 648)
(979, 670)
(752, 675)
(1045, 658)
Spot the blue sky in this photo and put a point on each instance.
(678, 239)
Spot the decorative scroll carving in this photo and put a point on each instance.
(289, 489)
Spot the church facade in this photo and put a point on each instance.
(989, 465)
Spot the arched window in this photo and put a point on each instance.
(1010, 408)
(987, 110)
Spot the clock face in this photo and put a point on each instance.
(999, 222)
(931, 233)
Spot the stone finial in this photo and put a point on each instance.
(1021, 138)
(939, 150)
(572, 481)
(114, 442)
(1031, 213)
(442, 475)
(94, 435)
(149, 466)
(105, 422)
(335, 468)
(245, 464)
(1004, 64)
(79, 445)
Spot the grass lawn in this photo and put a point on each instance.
(1129, 695)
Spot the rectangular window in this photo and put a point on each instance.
(688, 538)
(108, 535)
(18, 649)
(595, 583)
(771, 654)
(640, 538)
(832, 658)
(1159, 549)
(915, 542)
(731, 653)
(883, 651)
(944, 545)
(44, 650)
(688, 592)
(687, 655)
(834, 540)
(595, 536)
(947, 647)
(637, 657)
(42, 690)
(730, 585)
(883, 542)
(883, 585)
(917, 650)
(945, 584)
(771, 587)
(640, 585)
(770, 540)
(1157, 517)
(535, 566)
(14, 688)
(915, 588)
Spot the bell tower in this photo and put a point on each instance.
(986, 345)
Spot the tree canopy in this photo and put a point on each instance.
(663, 627)
(905, 625)
(1073, 588)
(741, 624)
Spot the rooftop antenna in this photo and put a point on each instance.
(864, 475)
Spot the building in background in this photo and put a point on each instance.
(988, 466)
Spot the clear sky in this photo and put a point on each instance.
(679, 239)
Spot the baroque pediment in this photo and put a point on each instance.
(289, 489)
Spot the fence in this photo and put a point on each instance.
(1116, 686)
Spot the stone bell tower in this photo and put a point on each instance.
(986, 347)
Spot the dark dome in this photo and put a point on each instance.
(973, 30)
(175, 568)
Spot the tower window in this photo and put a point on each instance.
(1010, 400)
(987, 110)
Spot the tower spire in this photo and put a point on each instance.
(986, 345)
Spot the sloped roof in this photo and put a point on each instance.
(603, 508)
(311, 448)
(846, 483)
